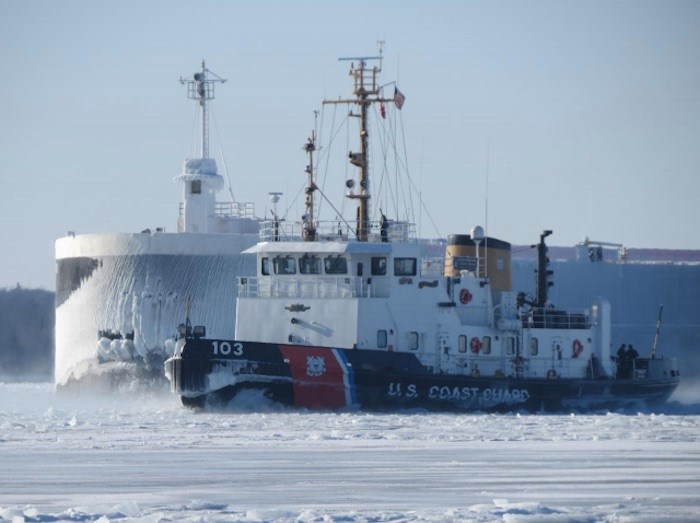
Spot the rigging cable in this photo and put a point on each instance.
(223, 158)
(190, 147)
(384, 142)
(293, 201)
(327, 150)
(408, 205)
(378, 194)
(410, 181)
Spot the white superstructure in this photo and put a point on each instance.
(365, 295)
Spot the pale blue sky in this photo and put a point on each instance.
(591, 111)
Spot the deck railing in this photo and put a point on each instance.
(393, 232)
(554, 319)
(321, 287)
(228, 210)
(235, 209)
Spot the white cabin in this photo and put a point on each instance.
(378, 296)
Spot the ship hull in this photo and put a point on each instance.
(329, 379)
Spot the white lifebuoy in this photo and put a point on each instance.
(475, 345)
(577, 348)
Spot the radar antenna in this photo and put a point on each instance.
(200, 87)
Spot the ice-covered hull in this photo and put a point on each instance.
(120, 297)
(328, 378)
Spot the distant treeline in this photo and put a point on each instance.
(26, 333)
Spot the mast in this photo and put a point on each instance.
(199, 175)
(366, 92)
(309, 227)
(201, 88)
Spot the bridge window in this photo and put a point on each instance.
(381, 339)
(413, 340)
(404, 266)
(534, 346)
(462, 343)
(378, 265)
(285, 265)
(196, 187)
(336, 265)
(265, 266)
(486, 345)
(309, 265)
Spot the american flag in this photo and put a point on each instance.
(382, 110)
(399, 98)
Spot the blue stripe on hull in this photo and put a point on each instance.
(349, 377)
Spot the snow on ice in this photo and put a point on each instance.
(146, 458)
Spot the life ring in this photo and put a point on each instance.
(577, 348)
(465, 296)
(551, 374)
(518, 362)
(475, 345)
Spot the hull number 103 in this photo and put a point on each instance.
(225, 348)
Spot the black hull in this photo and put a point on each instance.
(328, 379)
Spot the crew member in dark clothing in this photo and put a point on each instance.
(384, 227)
(631, 355)
(621, 353)
(624, 364)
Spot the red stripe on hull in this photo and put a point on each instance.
(318, 377)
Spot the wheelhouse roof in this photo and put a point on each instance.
(320, 248)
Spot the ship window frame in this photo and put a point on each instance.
(382, 339)
(413, 340)
(265, 266)
(332, 265)
(379, 264)
(310, 264)
(405, 266)
(486, 345)
(292, 265)
(196, 187)
(534, 347)
(462, 343)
